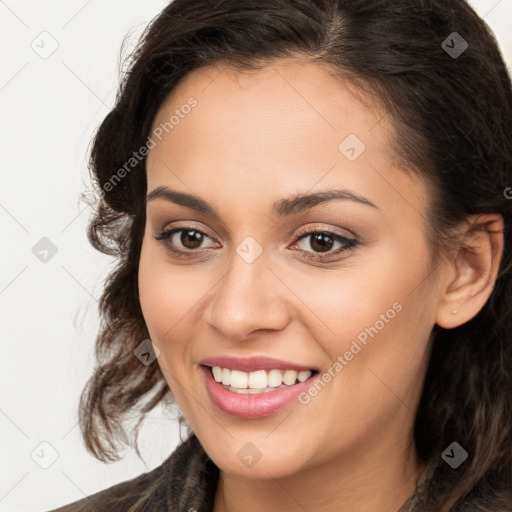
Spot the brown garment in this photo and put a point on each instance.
(184, 482)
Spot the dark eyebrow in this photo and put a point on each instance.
(282, 208)
(302, 202)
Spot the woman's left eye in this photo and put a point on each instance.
(322, 241)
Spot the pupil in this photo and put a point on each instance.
(320, 240)
(188, 238)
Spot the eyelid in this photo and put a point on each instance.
(182, 225)
(330, 229)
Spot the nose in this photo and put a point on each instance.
(248, 298)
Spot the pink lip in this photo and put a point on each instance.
(252, 364)
(245, 405)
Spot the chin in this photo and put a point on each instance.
(257, 459)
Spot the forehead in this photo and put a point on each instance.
(277, 96)
(289, 124)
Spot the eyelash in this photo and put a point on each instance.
(349, 244)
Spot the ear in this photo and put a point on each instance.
(471, 270)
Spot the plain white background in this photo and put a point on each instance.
(51, 103)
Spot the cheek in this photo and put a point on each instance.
(378, 317)
(344, 303)
(165, 296)
(152, 293)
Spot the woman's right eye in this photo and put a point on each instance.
(190, 240)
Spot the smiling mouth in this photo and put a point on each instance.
(259, 381)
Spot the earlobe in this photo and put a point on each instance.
(472, 271)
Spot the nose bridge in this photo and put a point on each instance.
(246, 299)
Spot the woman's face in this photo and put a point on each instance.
(249, 283)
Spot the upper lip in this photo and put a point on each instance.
(251, 364)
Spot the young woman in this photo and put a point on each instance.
(310, 201)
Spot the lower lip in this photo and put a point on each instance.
(246, 405)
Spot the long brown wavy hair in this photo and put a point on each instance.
(453, 121)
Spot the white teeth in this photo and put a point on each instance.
(226, 376)
(258, 381)
(304, 375)
(289, 377)
(275, 378)
(239, 379)
(217, 373)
